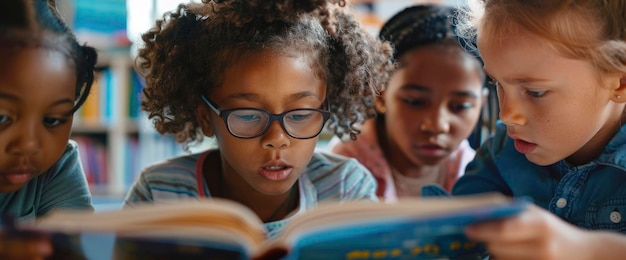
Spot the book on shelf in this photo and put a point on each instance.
(93, 158)
(98, 109)
(429, 228)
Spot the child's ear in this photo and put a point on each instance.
(485, 95)
(619, 95)
(204, 120)
(380, 103)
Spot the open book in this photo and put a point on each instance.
(429, 228)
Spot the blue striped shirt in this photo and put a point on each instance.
(328, 177)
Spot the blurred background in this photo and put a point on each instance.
(116, 139)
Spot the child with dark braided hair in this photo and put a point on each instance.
(263, 78)
(427, 110)
(45, 76)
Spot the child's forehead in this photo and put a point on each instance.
(13, 40)
(267, 59)
(34, 61)
(37, 78)
(434, 75)
(20, 53)
(269, 74)
(436, 55)
(442, 50)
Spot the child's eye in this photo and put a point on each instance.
(51, 122)
(493, 82)
(4, 119)
(299, 116)
(414, 102)
(461, 106)
(246, 117)
(535, 94)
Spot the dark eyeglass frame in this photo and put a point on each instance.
(271, 118)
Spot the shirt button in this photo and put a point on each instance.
(615, 217)
(561, 203)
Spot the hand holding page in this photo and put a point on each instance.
(412, 228)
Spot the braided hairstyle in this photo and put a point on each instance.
(37, 24)
(189, 49)
(422, 25)
(426, 24)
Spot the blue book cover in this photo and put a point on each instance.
(421, 228)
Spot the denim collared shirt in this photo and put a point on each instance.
(591, 196)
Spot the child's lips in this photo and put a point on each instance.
(18, 177)
(276, 172)
(431, 150)
(523, 146)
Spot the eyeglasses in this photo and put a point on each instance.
(247, 123)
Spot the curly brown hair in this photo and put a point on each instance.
(187, 52)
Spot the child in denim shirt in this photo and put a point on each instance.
(560, 67)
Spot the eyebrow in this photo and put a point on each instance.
(9, 97)
(304, 94)
(516, 80)
(416, 88)
(419, 88)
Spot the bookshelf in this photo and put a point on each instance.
(115, 139)
(102, 135)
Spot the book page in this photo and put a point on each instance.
(338, 214)
(411, 228)
(211, 220)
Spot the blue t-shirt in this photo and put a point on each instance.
(590, 196)
(62, 186)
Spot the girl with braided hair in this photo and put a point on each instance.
(262, 78)
(45, 76)
(427, 110)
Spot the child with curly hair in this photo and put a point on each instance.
(263, 78)
(560, 67)
(45, 76)
(427, 110)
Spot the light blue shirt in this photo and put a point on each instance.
(590, 196)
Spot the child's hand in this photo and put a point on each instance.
(534, 234)
(24, 247)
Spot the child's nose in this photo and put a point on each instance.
(510, 111)
(436, 122)
(275, 137)
(25, 141)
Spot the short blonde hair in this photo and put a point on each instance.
(589, 30)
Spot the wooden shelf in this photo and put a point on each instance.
(98, 128)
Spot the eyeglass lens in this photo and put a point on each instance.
(301, 123)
